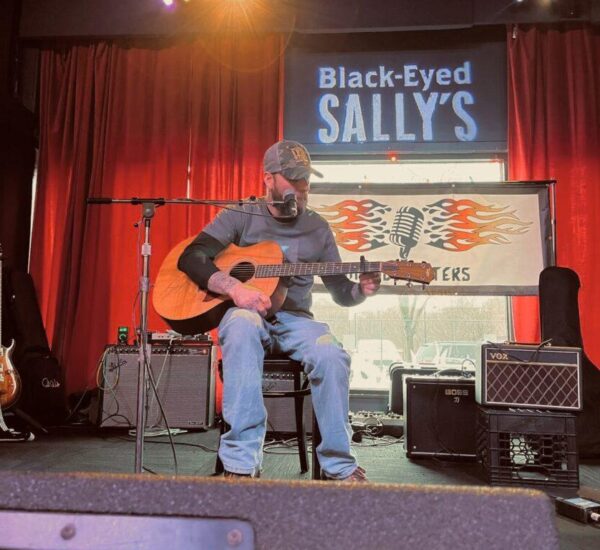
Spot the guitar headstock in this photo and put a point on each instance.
(417, 272)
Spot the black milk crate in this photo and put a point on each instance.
(527, 447)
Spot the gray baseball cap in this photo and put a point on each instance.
(291, 159)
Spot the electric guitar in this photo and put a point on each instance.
(190, 310)
(10, 382)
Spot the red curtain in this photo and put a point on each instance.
(189, 118)
(554, 133)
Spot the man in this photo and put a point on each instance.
(245, 332)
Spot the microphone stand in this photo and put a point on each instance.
(149, 206)
(145, 349)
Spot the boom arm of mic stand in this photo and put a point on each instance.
(161, 201)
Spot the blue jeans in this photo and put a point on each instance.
(244, 335)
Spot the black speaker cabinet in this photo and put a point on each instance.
(440, 416)
(530, 376)
(281, 414)
(397, 375)
(184, 379)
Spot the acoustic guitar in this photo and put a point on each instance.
(190, 310)
(10, 382)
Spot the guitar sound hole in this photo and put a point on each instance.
(243, 271)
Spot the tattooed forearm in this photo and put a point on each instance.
(221, 283)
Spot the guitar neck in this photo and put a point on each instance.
(321, 269)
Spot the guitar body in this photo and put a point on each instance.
(190, 310)
(10, 383)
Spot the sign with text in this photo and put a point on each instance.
(480, 238)
(429, 101)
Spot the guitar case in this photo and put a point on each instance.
(28, 327)
(42, 395)
(559, 321)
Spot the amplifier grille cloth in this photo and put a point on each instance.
(532, 384)
(184, 383)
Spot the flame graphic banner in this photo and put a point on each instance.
(459, 225)
(358, 225)
(481, 238)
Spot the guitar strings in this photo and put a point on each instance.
(300, 268)
(316, 268)
(314, 265)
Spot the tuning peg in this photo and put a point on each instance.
(423, 286)
(395, 282)
(409, 284)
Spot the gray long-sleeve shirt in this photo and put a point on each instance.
(304, 239)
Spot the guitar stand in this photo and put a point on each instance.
(32, 422)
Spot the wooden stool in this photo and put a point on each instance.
(283, 364)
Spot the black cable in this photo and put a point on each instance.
(378, 441)
(162, 410)
(131, 439)
(113, 385)
(127, 420)
(502, 348)
(87, 389)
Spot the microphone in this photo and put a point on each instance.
(406, 229)
(289, 203)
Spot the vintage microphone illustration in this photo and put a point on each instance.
(406, 229)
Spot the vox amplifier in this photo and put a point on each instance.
(530, 376)
(184, 379)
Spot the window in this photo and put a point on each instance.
(419, 330)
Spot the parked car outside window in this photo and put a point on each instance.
(371, 361)
(462, 355)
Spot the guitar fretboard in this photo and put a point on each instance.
(326, 268)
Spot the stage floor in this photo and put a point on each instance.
(85, 449)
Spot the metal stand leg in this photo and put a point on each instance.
(316, 441)
(29, 419)
(145, 352)
(300, 428)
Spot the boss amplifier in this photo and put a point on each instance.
(440, 416)
(530, 376)
(184, 379)
(281, 413)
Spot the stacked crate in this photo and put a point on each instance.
(527, 398)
